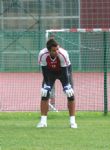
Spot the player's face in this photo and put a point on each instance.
(54, 51)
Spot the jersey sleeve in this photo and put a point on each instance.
(42, 58)
(64, 58)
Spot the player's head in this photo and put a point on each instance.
(52, 47)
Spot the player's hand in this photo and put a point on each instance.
(68, 90)
(45, 90)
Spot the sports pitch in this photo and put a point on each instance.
(18, 131)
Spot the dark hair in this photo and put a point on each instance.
(51, 43)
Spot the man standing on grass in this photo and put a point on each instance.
(56, 64)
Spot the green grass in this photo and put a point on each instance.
(18, 132)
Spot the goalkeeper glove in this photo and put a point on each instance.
(68, 90)
(45, 90)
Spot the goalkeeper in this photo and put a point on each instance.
(55, 64)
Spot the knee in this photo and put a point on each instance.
(72, 98)
(46, 98)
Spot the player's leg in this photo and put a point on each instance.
(44, 101)
(44, 111)
(52, 104)
(44, 106)
(71, 108)
(70, 98)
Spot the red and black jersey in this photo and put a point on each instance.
(53, 64)
(55, 68)
(62, 59)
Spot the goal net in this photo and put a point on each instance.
(89, 54)
(85, 46)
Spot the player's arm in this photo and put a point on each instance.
(67, 86)
(45, 73)
(46, 88)
(42, 61)
(65, 75)
(66, 72)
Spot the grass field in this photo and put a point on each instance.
(18, 132)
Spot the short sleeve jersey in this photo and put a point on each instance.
(61, 60)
